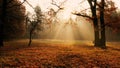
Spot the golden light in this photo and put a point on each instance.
(65, 30)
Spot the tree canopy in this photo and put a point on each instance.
(14, 24)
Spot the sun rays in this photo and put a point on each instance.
(69, 30)
(64, 32)
(66, 29)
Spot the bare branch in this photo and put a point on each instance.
(59, 6)
(29, 4)
(83, 15)
(54, 3)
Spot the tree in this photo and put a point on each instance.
(53, 14)
(93, 5)
(106, 10)
(102, 25)
(11, 10)
(35, 22)
(112, 16)
(3, 14)
(113, 21)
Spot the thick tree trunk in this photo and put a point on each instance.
(3, 16)
(103, 38)
(97, 40)
(102, 26)
(1, 35)
(95, 22)
(96, 33)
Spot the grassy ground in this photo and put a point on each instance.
(58, 54)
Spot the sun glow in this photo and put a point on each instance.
(45, 5)
(77, 30)
(69, 6)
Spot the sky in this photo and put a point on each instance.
(45, 4)
(69, 6)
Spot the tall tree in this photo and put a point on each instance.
(12, 15)
(93, 5)
(98, 19)
(107, 11)
(3, 16)
(112, 16)
(35, 22)
(93, 8)
(102, 25)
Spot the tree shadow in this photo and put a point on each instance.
(113, 48)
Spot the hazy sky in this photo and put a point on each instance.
(46, 4)
(69, 6)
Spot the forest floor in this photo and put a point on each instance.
(56, 54)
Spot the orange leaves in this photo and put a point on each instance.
(58, 55)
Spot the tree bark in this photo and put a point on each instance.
(96, 33)
(102, 26)
(30, 38)
(1, 35)
(95, 23)
(3, 16)
(31, 32)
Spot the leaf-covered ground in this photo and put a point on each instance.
(17, 54)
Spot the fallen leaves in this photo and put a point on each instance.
(45, 55)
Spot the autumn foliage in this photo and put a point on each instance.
(14, 24)
(44, 54)
(112, 16)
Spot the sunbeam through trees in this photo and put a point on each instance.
(59, 33)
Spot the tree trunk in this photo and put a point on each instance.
(1, 35)
(103, 38)
(102, 26)
(96, 33)
(95, 22)
(3, 16)
(30, 38)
